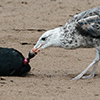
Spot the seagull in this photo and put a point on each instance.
(81, 31)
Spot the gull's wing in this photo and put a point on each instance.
(89, 26)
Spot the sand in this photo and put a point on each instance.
(22, 22)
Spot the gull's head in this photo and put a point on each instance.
(49, 38)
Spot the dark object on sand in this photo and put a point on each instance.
(12, 63)
(30, 56)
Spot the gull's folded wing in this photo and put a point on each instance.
(89, 26)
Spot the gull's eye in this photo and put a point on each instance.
(43, 38)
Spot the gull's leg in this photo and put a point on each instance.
(82, 73)
(92, 74)
(95, 61)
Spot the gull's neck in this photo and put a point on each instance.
(70, 38)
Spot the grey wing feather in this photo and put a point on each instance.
(89, 26)
(85, 14)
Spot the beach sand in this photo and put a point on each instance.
(22, 22)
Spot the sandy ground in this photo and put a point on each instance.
(21, 24)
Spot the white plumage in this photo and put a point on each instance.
(82, 30)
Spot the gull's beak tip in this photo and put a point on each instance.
(33, 50)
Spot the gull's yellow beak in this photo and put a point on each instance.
(33, 52)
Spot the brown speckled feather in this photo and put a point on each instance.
(90, 25)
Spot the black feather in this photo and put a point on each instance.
(11, 63)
